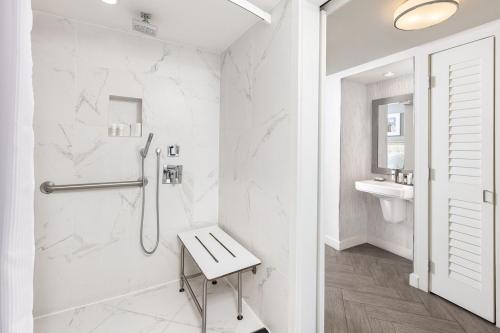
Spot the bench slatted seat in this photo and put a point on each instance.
(217, 255)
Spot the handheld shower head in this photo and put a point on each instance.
(144, 151)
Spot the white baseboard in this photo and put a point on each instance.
(352, 242)
(346, 243)
(332, 242)
(362, 239)
(391, 247)
(413, 280)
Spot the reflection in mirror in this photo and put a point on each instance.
(392, 126)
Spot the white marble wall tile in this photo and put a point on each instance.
(87, 243)
(256, 158)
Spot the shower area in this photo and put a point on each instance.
(153, 118)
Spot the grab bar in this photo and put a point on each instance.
(49, 187)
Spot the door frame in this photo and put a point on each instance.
(329, 150)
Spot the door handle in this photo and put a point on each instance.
(488, 197)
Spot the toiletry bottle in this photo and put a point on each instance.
(409, 178)
(400, 177)
(113, 130)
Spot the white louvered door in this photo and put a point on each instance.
(462, 179)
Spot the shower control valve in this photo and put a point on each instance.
(172, 174)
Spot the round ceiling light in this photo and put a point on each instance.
(110, 2)
(420, 14)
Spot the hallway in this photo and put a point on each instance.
(367, 291)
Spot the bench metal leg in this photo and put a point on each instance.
(182, 269)
(204, 308)
(184, 281)
(240, 295)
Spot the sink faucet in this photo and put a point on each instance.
(401, 177)
(397, 176)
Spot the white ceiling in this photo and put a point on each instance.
(362, 30)
(400, 68)
(208, 24)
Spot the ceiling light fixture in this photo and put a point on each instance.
(389, 74)
(110, 2)
(420, 14)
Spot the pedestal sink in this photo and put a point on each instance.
(392, 197)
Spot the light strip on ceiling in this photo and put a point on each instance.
(253, 9)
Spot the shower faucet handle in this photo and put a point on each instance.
(172, 174)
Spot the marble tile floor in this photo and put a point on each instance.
(160, 310)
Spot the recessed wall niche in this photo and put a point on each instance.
(124, 116)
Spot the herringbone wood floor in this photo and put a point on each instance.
(367, 291)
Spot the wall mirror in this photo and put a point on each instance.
(392, 134)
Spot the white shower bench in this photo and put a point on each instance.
(217, 255)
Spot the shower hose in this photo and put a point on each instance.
(153, 250)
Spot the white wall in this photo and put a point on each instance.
(87, 243)
(330, 145)
(257, 159)
(305, 246)
(355, 162)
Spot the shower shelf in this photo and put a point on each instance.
(124, 116)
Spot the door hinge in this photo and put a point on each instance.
(431, 82)
(489, 197)
(432, 267)
(432, 174)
